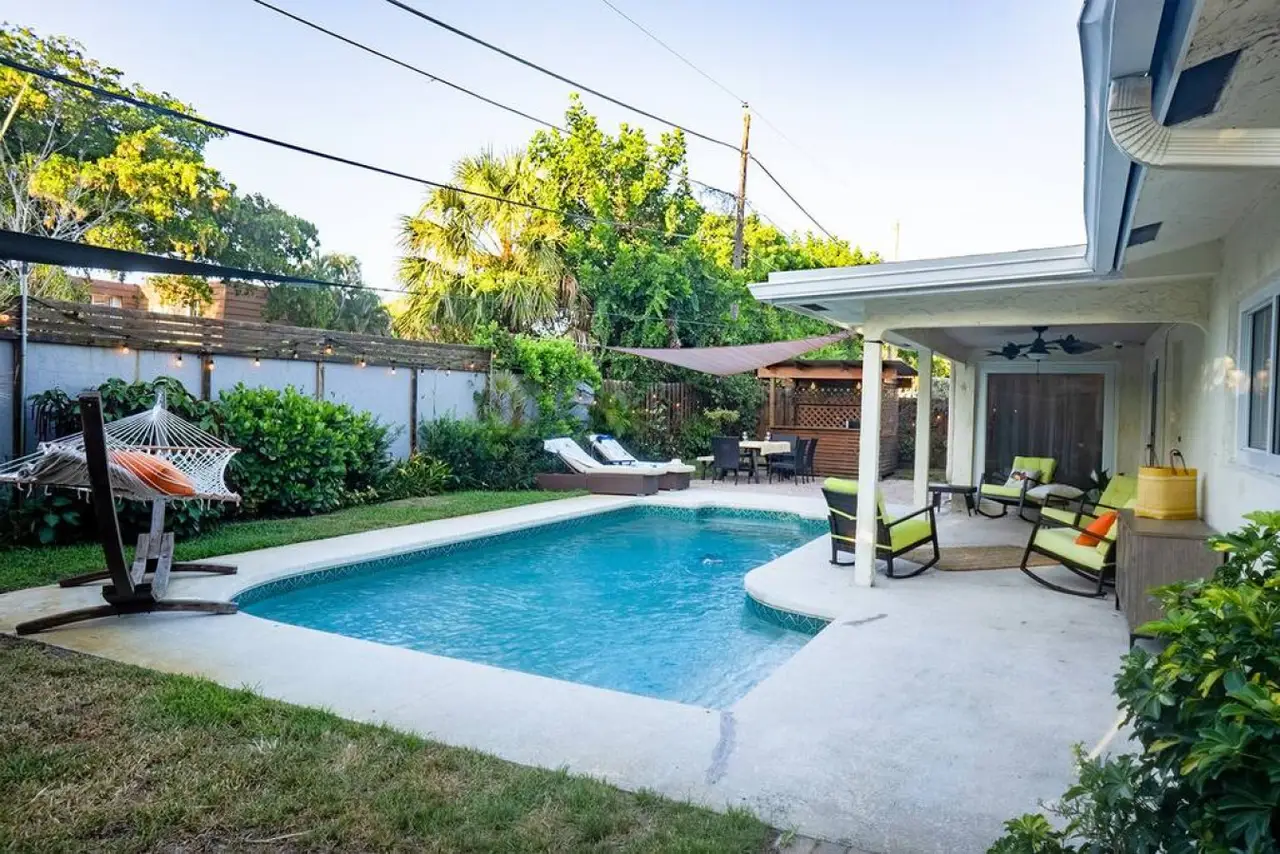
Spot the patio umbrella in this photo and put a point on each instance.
(725, 361)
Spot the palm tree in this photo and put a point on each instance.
(471, 260)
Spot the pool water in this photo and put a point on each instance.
(644, 600)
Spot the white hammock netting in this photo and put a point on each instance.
(199, 456)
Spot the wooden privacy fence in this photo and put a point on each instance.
(680, 400)
(60, 322)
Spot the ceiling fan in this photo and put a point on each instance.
(1041, 349)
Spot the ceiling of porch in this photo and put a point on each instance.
(993, 337)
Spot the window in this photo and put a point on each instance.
(115, 302)
(1259, 437)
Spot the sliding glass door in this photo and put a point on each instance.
(1047, 415)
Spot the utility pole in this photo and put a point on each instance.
(897, 237)
(739, 251)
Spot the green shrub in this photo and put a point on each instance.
(416, 477)
(550, 369)
(1206, 712)
(484, 454)
(299, 455)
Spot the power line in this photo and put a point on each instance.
(669, 49)
(736, 97)
(787, 193)
(361, 46)
(434, 78)
(228, 129)
(542, 69)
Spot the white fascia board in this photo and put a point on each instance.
(960, 272)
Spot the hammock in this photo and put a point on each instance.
(139, 447)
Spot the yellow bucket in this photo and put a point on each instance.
(1167, 492)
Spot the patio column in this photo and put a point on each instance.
(864, 570)
(924, 425)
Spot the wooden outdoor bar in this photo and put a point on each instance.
(822, 399)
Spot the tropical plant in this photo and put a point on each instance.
(416, 477)
(471, 261)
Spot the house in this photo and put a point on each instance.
(228, 303)
(1178, 284)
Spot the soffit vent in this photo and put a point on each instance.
(812, 306)
(1144, 234)
(1200, 87)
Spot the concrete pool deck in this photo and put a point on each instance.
(928, 712)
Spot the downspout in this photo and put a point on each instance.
(1143, 138)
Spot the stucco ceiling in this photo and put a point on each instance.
(1197, 207)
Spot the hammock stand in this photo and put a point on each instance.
(138, 588)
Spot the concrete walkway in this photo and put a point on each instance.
(927, 713)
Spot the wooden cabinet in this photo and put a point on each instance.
(1152, 552)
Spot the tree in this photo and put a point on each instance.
(87, 169)
(347, 309)
(471, 261)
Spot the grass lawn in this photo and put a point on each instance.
(100, 756)
(35, 566)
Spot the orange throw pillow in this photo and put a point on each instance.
(1097, 529)
(159, 474)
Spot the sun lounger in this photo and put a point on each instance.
(604, 479)
(676, 475)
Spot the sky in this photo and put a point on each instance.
(961, 122)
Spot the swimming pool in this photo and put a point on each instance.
(647, 600)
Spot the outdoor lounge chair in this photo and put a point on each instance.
(600, 478)
(1120, 493)
(995, 486)
(1056, 539)
(676, 474)
(894, 537)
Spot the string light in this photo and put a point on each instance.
(209, 365)
(179, 360)
(393, 369)
(328, 349)
(124, 348)
(294, 354)
(257, 362)
(362, 361)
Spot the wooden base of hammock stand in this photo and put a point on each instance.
(153, 558)
(130, 590)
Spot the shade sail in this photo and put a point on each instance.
(725, 361)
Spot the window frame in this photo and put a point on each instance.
(1266, 458)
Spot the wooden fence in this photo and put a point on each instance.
(679, 400)
(59, 322)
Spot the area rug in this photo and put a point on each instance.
(966, 558)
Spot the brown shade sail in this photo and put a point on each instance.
(726, 361)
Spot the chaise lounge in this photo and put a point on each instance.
(602, 479)
(894, 537)
(676, 475)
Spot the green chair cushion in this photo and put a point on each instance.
(1045, 465)
(850, 487)
(1061, 542)
(996, 490)
(1122, 489)
(906, 534)
(1065, 515)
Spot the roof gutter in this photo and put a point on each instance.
(1141, 136)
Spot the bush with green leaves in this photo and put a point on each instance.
(551, 370)
(416, 477)
(1205, 712)
(486, 454)
(299, 455)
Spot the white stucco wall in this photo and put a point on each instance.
(1205, 409)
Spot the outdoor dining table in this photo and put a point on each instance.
(763, 448)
